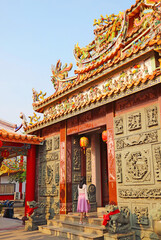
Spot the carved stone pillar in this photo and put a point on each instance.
(63, 168)
(111, 156)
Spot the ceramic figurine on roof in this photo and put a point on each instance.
(37, 96)
(60, 74)
(34, 119)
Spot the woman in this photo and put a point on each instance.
(83, 202)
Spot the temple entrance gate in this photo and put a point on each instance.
(91, 163)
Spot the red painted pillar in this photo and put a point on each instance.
(20, 183)
(111, 156)
(30, 175)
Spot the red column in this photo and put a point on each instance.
(20, 183)
(30, 175)
(111, 157)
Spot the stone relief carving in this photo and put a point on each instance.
(57, 174)
(74, 192)
(141, 215)
(49, 144)
(119, 126)
(76, 177)
(152, 116)
(138, 139)
(52, 191)
(119, 168)
(140, 193)
(49, 174)
(136, 166)
(157, 157)
(92, 193)
(53, 156)
(134, 121)
(88, 159)
(56, 142)
(76, 160)
(89, 178)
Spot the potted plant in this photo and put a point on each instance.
(156, 217)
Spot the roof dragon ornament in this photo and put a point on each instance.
(60, 74)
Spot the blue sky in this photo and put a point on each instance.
(36, 33)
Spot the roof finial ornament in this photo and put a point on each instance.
(60, 73)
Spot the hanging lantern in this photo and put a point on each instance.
(104, 136)
(1, 143)
(84, 143)
(5, 153)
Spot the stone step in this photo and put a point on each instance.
(75, 218)
(85, 227)
(69, 233)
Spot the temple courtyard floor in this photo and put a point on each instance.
(13, 229)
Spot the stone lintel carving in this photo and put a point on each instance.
(138, 139)
(134, 121)
(153, 193)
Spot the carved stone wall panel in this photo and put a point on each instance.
(118, 167)
(76, 177)
(137, 166)
(49, 144)
(137, 139)
(152, 116)
(49, 157)
(54, 156)
(140, 215)
(88, 159)
(137, 192)
(88, 178)
(119, 127)
(134, 121)
(157, 161)
(56, 142)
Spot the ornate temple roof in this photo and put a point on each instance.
(19, 138)
(120, 41)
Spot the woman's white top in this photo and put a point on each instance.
(83, 190)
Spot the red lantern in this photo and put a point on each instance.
(84, 142)
(5, 153)
(1, 143)
(104, 136)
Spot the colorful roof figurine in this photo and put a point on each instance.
(115, 64)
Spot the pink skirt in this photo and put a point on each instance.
(82, 205)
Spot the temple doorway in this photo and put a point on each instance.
(91, 163)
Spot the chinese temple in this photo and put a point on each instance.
(13, 145)
(105, 121)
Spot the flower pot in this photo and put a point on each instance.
(157, 227)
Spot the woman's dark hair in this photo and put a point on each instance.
(82, 181)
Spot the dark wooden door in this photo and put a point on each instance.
(104, 173)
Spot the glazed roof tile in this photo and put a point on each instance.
(148, 77)
(19, 138)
